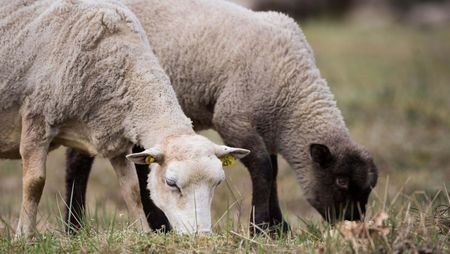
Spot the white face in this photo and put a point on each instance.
(182, 180)
(185, 191)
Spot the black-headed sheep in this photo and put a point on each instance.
(252, 77)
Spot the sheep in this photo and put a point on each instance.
(82, 74)
(252, 77)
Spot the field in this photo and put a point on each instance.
(392, 83)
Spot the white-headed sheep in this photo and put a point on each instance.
(252, 77)
(81, 73)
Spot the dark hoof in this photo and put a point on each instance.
(279, 230)
(164, 229)
(259, 229)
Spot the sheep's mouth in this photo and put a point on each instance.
(333, 214)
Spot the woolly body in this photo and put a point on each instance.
(252, 76)
(86, 69)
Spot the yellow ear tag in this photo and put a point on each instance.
(149, 160)
(227, 160)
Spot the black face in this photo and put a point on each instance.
(343, 181)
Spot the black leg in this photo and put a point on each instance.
(155, 217)
(260, 168)
(237, 132)
(275, 211)
(78, 167)
(260, 171)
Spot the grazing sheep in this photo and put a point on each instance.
(252, 77)
(82, 74)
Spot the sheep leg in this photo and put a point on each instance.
(242, 134)
(129, 185)
(260, 169)
(78, 168)
(276, 220)
(33, 150)
(155, 217)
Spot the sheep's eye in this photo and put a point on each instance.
(342, 182)
(219, 182)
(173, 184)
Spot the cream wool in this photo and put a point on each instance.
(218, 54)
(86, 62)
(82, 74)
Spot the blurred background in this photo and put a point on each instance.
(388, 64)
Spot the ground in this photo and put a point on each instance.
(392, 83)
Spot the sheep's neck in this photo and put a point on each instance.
(312, 116)
(155, 113)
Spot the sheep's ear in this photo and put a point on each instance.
(228, 155)
(149, 156)
(321, 154)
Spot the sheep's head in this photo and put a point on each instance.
(344, 176)
(184, 172)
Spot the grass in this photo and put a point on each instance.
(415, 223)
(392, 83)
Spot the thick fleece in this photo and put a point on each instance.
(84, 66)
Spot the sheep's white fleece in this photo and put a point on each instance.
(238, 70)
(86, 68)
